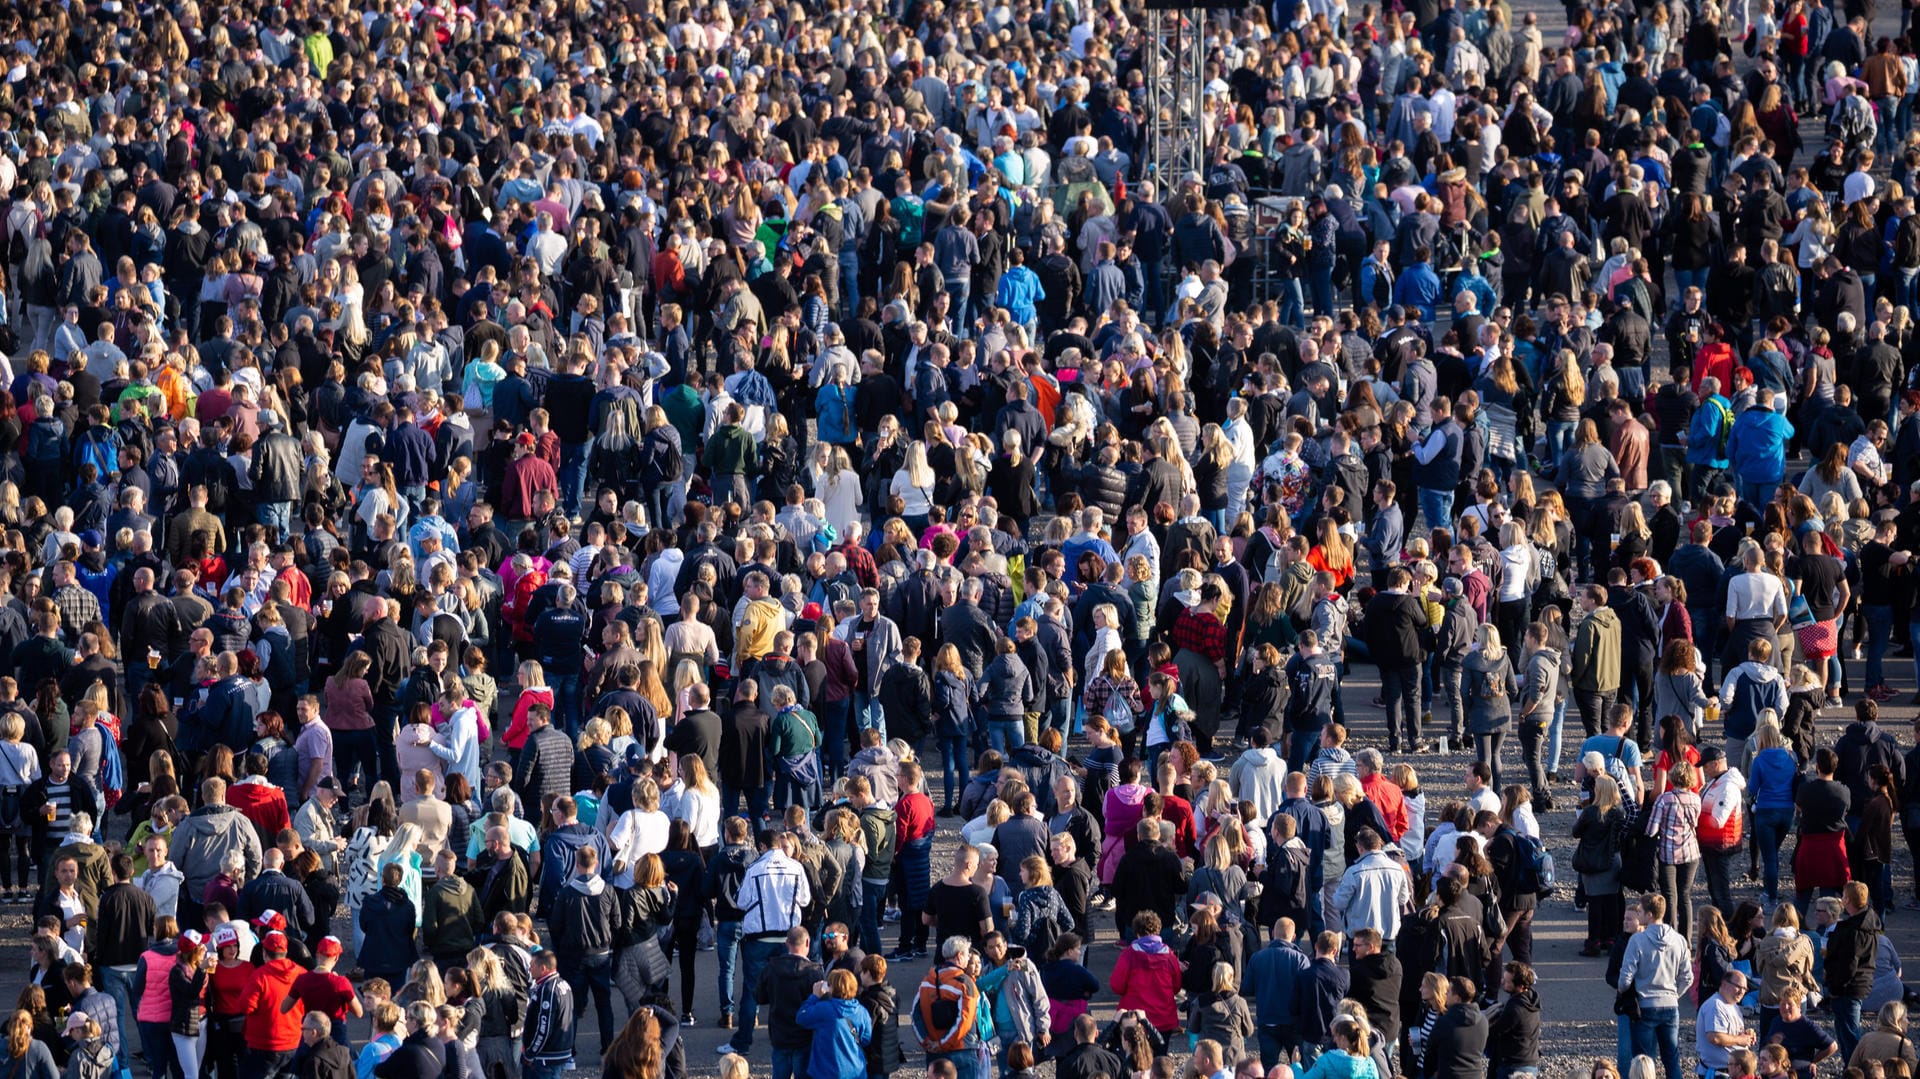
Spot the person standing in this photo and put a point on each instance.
(548, 1053)
(1596, 659)
(1720, 1027)
(772, 897)
(1396, 631)
(1722, 824)
(1658, 968)
(785, 986)
(1851, 948)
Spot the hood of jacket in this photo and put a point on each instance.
(1605, 616)
(877, 757)
(593, 885)
(1763, 672)
(1259, 756)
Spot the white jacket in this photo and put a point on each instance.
(1372, 893)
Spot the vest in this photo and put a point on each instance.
(156, 1003)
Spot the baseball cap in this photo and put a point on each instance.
(189, 939)
(271, 919)
(91, 538)
(636, 758)
(525, 438)
(327, 783)
(275, 941)
(77, 1021)
(328, 947)
(224, 936)
(1709, 754)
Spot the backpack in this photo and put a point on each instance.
(113, 770)
(1533, 872)
(949, 1005)
(1725, 433)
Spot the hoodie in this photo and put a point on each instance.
(1750, 688)
(1596, 654)
(1260, 776)
(1658, 966)
(842, 1031)
(585, 919)
(1513, 1031)
(882, 771)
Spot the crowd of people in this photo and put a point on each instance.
(500, 503)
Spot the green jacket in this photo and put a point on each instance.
(1596, 652)
(795, 731)
(732, 451)
(451, 917)
(877, 830)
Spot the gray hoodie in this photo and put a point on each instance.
(882, 771)
(1658, 966)
(1541, 686)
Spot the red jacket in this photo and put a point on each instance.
(1147, 980)
(913, 817)
(1385, 794)
(264, 804)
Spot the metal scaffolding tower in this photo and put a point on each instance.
(1176, 72)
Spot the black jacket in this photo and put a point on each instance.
(883, 1049)
(1513, 1031)
(387, 920)
(545, 766)
(1376, 984)
(786, 982)
(122, 926)
(277, 468)
(1458, 1048)
(698, 734)
(326, 1060)
(1851, 948)
(906, 700)
(419, 1057)
(1086, 1062)
(1396, 626)
(587, 917)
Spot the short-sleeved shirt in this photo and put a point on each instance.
(325, 992)
(1611, 745)
(957, 910)
(314, 744)
(1820, 576)
(1716, 1016)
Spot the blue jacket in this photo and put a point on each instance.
(1770, 778)
(1418, 287)
(841, 1031)
(411, 451)
(1271, 975)
(1758, 447)
(1316, 997)
(834, 407)
(1019, 289)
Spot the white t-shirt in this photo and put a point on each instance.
(1716, 1016)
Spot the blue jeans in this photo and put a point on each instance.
(530, 1070)
(1301, 748)
(788, 1063)
(754, 956)
(1658, 1029)
(873, 896)
(277, 516)
(833, 737)
(1758, 494)
(1006, 735)
(849, 284)
(756, 799)
(953, 767)
(592, 974)
(1559, 438)
(566, 700)
(1059, 716)
(866, 712)
(1904, 293)
(1437, 508)
(1293, 306)
(1770, 829)
(957, 311)
(966, 1063)
(1321, 280)
(1688, 279)
(573, 474)
(1913, 634)
(726, 948)
(156, 1043)
(1276, 1043)
(119, 987)
(1553, 735)
(1846, 1022)
(1879, 631)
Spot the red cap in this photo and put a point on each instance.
(525, 438)
(329, 947)
(275, 941)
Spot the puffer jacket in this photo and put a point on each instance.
(1102, 486)
(586, 917)
(151, 1002)
(883, 1049)
(1224, 1017)
(186, 992)
(1006, 690)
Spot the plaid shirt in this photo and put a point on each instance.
(1676, 821)
(860, 561)
(78, 607)
(1203, 633)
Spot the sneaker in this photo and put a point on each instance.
(1833, 702)
(686, 1020)
(900, 955)
(725, 1049)
(893, 914)
(1859, 651)
(726, 1019)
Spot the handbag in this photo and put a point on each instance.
(1626, 1003)
(1799, 612)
